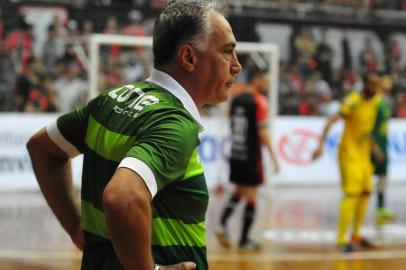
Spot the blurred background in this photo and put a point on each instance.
(325, 47)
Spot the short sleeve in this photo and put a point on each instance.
(69, 131)
(163, 149)
(350, 101)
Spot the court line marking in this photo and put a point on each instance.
(222, 257)
(39, 254)
(311, 256)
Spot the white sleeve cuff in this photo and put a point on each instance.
(142, 170)
(60, 141)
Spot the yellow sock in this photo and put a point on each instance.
(347, 211)
(360, 212)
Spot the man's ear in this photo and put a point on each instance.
(187, 57)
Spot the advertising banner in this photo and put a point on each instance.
(294, 140)
(15, 166)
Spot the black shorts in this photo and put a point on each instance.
(245, 174)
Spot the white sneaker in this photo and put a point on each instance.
(249, 245)
(223, 236)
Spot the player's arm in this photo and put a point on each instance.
(126, 201)
(127, 206)
(330, 122)
(265, 140)
(261, 115)
(52, 168)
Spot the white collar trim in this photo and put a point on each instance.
(167, 82)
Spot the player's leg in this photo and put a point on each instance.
(251, 193)
(230, 206)
(221, 231)
(345, 219)
(362, 207)
(380, 188)
(360, 213)
(382, 213)
(352, 188)
(237, 177)
(380, 170)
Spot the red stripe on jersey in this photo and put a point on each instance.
(262, 108)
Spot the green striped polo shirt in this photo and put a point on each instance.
(151, 128)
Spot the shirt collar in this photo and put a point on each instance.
(167, 82)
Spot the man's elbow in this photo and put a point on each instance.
(32, 144)
(118, 203)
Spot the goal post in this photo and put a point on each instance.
(271, 50)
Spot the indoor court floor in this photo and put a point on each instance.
(296, 227)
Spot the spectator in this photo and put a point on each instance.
(26, 82)
(134, 27)
(1, 31)
(368, 58)
(308, 105)
(320, 86)
(401, 105)
(305, 47)
(290, 104)
(112, 28)
(40, 99)
(86, 30)
(60, 26)
(18, 43)
(72, 27)
(324, 57)
(53, 49)
(393, 55)
(70, 89)
(346, 52)
(6, 74)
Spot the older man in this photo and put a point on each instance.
(144, 196)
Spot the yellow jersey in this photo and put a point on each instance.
(359, 115)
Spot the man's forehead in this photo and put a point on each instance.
(222, 29)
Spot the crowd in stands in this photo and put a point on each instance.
(56, 80)
(310, 85)
(360, 4)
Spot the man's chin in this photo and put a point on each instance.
(220, 99)
(226, 96)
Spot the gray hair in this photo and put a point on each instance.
(184, 21)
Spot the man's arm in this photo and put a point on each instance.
(126, 201)
(264, 137)
(330, 122)
(52, 169)
(127, 207)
